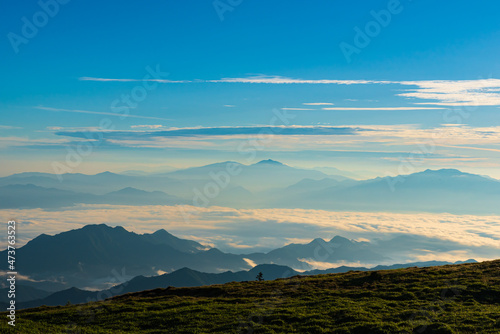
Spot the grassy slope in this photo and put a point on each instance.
(449, 299)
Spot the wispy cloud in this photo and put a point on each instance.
(270, 79)
(25, 141)
(310, 130)
(473, 148)
(297, 109)
(131, 80)
(480, 92)
(484, 92)
(99, 113)
(383, 108)
(318, 104)
(384, 138)
(146, 126)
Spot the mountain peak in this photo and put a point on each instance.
(106, 173)
(270, 162)
(129, 190)
(443, 172)
(101, 227)
(162, 232)
(340, 240)
(317, 240)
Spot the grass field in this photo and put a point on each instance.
(449, 299)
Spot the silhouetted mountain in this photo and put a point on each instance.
(162, 237)
(186, 277)
(23, 293)
(343, 269)
(71, 295)
(91, 253)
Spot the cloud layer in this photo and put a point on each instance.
(426, 235)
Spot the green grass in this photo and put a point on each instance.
(450, 299)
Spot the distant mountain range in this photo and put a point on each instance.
(444, 190)
(27, 196)
(267, 184)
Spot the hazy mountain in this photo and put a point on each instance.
(265, 184)
(336, 250)
(309, 185)
(98, 184)
(202, 172)
(30, 196)
(19, 196)
(132, 196)
(444, 190)
(335, 172)
(260, 176)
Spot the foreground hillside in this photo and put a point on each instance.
(461, 298)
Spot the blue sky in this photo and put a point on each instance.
(424, 85)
